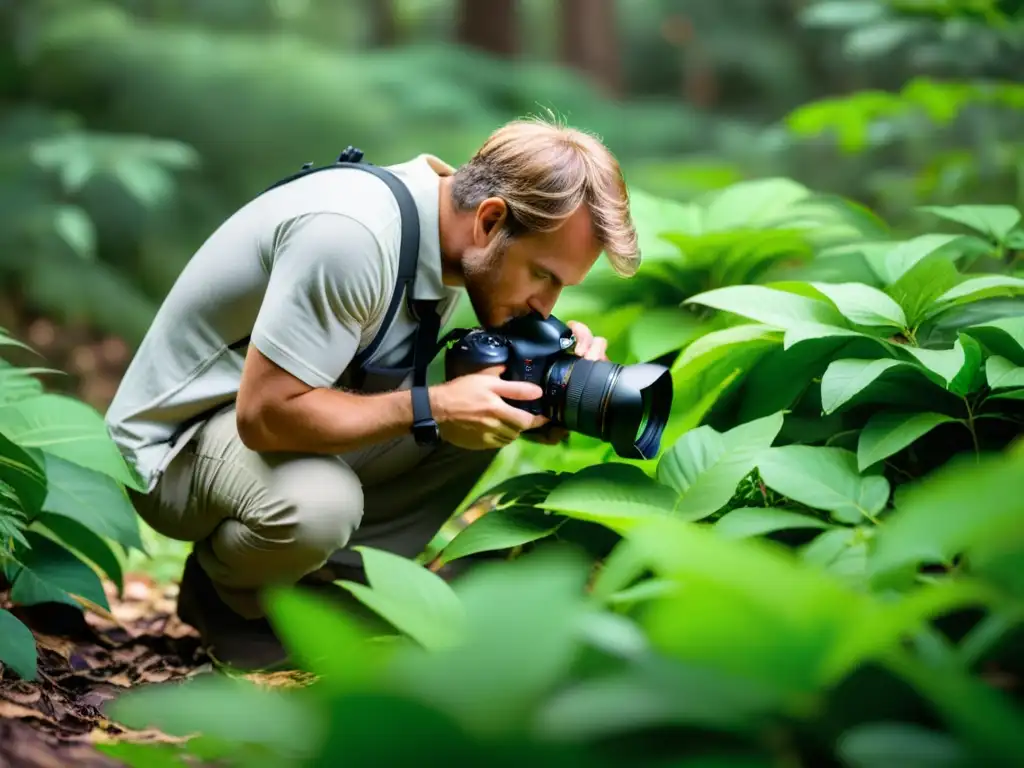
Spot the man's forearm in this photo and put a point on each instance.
(327, 421)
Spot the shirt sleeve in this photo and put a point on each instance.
(325, 287)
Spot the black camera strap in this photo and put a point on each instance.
(425, 312)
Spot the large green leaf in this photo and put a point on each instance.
(917, 289)
(17, 646)
(66, 428)
(524, 623)
(49, 572)
(886, 433)
(502, 528)
(24, 476)
(960, 507)
(662, 330)
(757, 521)
(415, 600)
(900, 745)
(92, 499)
(826, 479)
(892, 264)
(783, 644)
(959, 368)
(324, 640)
(614, 495)
(975, 288)
(85, 543)
(705, 466)
(1002, 374)
(225, 708)
(993, 221)
(863, 305)
(1003, 337)
(844, 380)
(771, 307)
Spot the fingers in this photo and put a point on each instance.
(520, 419)
(598, 349)
(516, 390)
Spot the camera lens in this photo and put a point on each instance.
(627, 406)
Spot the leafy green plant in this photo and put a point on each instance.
(689, 647)
(63, 507)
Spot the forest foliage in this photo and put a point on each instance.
(822, 566)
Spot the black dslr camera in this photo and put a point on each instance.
(626, 406)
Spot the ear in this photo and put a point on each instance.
(490, 218)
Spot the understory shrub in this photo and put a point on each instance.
(65, 519)
(822, 566)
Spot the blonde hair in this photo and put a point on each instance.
(544, 172)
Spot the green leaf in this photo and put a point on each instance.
(85, 543)
(95, 500)
(499, 529)
(841, 14)
(66, 428)
(778, 309)
(843, 380)
(976, 288)
(893, 264)
(226, 708)
(25, 477)
(326, 641)
(49, 572)
(662, 330)
(993, 221)
(744, 522)
(824, 478)
(705, 466)
(863, 305)
(614, 495)
(75, 228)
(899, 745)
(524, 624)
(1004, 337)
(415, 600)
(931, 523)
(958, 367)
(886, 433)
(17, 646)
(754, 633)
(917, 289)
(1002, 374)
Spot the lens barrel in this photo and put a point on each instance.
(627, 406)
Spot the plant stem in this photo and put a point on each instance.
(969, 423)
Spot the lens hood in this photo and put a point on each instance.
(638, 410)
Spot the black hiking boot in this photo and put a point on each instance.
(229, 639)
(252, 644)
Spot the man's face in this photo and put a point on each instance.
(528, 274)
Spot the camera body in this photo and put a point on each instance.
(530, 348)
(627, 406)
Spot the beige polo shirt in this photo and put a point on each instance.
(308, 270)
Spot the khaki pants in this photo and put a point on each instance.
(263, 519)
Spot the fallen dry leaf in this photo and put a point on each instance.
(85, 661)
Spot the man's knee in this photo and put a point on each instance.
(315, 506)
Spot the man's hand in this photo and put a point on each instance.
(471, 414)
(588, 346)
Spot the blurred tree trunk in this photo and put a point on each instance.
(383, 25)
(489, 25)
(590, 42)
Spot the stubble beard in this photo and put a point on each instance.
(481, 277)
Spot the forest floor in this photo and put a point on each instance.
(85, 660)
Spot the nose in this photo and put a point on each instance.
(542, 305)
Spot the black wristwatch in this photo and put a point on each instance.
(424, 428)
